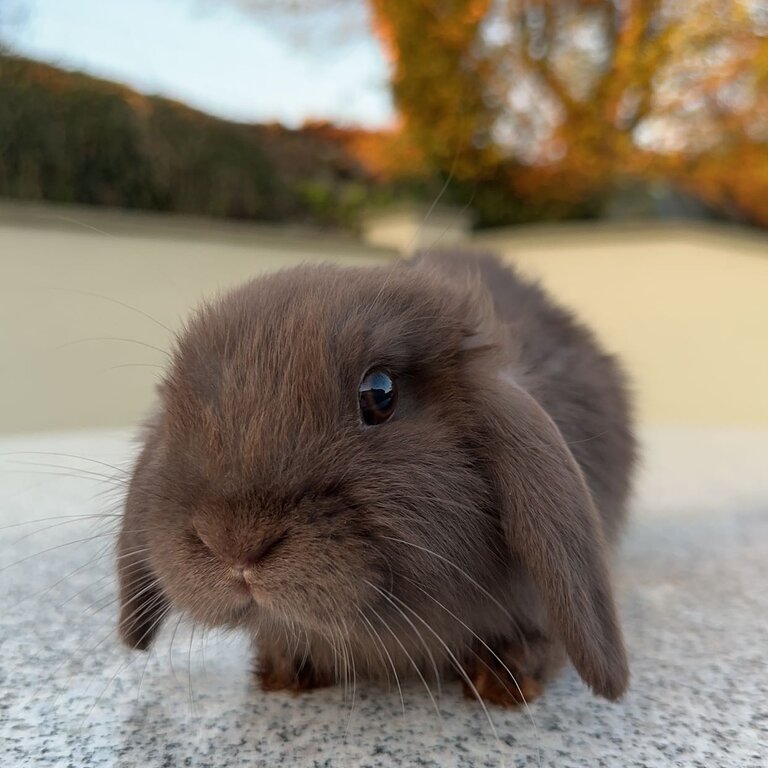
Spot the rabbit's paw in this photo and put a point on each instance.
(511, 673)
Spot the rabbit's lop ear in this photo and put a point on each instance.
(552, 527)
(143, 604)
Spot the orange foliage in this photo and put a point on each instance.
(384, 155)
(563, 98)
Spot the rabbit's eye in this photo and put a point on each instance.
(378, 396)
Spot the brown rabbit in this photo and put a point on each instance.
(413, 468)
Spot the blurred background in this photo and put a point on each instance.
(155, 152)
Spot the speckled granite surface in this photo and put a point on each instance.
(693, 590)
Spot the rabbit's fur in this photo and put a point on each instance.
(468, 535)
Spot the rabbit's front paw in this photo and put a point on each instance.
(511, 673)
(280, 672)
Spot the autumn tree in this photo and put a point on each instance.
(564, 97)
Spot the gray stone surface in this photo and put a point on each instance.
(693, 579)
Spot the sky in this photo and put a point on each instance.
(211, 55)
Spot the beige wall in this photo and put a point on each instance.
(686, 308)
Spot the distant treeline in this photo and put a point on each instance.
(68, 137)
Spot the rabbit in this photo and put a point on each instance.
(420, 468)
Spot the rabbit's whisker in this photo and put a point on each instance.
(111, 299)
(463, 572)
(125, 665)
(377, 649)
(485, 645)
(389, 657)
(170, 647)
(38, 531)
(189, 668)
(65, 518)
(45, 590)
(54, 548)
(112, 338)
(123, 470)
(457, 664)
(408, 655)
(354, 684)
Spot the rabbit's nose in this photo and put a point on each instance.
(258, 553)
(241, 555)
